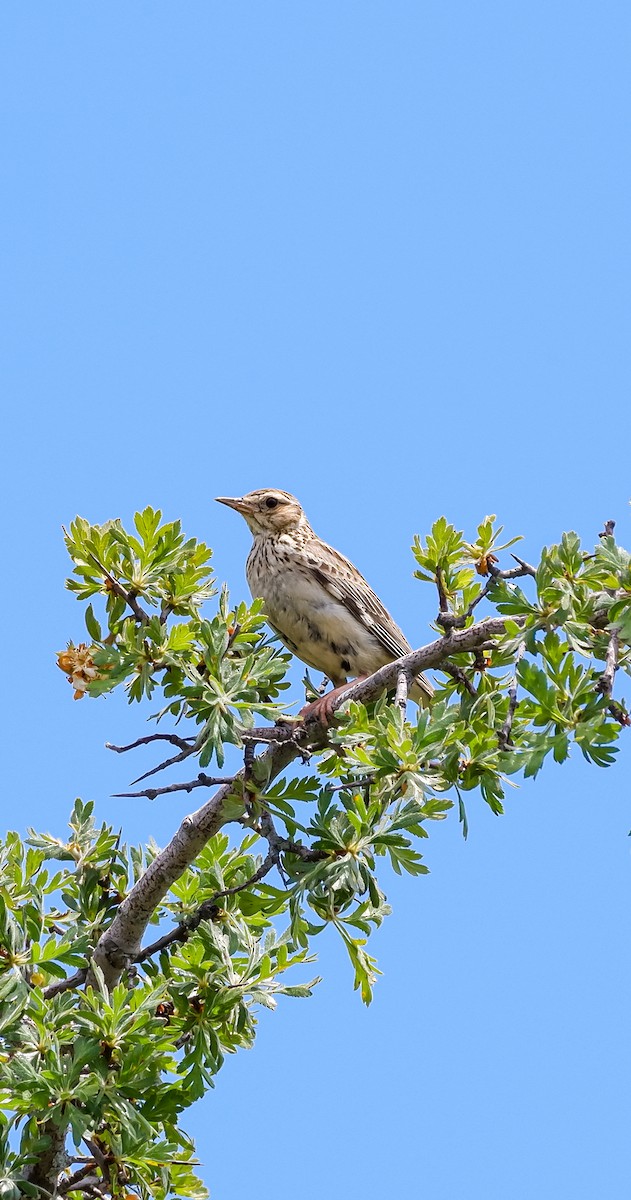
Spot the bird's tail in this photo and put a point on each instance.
(421, 691)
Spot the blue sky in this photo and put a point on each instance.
(378, 255)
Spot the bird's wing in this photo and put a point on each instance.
(343, 582)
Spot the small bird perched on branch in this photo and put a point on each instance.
(315, 599)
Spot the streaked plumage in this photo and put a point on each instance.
(315, 599)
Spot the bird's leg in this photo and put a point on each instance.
(322, 708)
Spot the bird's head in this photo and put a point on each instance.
(267, 511)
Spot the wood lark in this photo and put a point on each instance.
(315, 599)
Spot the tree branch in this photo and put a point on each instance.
(63, 985)
(51, 1161)
(208, 909)
(605, 683)
(84, 1177)
(518, 572)
(201, 781)
(432, 655)
(205, 912)
(504, 735)
(443, 603)
(403, 686)
(129, 597)
(459, 675)
(170, 762)
(448, 621)
(173, 738)
(120, 944)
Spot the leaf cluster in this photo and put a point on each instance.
(117, 1070)
(216, 672)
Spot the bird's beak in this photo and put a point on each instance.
(236, 502)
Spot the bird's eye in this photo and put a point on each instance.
(271, 502)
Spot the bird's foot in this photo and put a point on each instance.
(322, 709)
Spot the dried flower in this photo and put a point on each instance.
(77, 663)
(485, 564)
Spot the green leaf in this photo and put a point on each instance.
(92, 625)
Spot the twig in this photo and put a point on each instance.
(480, 661)
(458, 674)
(518, 572)
(607, 530)
(82, 1181)
(236, 630)
(443, 603)
(401, 694)
(152, 737)
(118, 589)
(63, 985)
(618, 713)
(279, 844)
(448, 621)
(97, 1153)
(605, 683)
(201, 781)
(170, 762)
(85, 1175)
(504, 735)
(268, 830)
(208, 909)
(525, 568)
(364, 782)
(248, 763)
(189, 745)
(166, 608)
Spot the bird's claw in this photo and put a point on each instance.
(322, 709)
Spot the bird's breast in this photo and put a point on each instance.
(315, 625)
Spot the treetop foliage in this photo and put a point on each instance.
(127, 974)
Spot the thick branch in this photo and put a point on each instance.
(51, 1161)
(120, 944)
(432, 655)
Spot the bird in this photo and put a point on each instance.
(315, 599)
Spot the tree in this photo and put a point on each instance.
(107, 1032)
